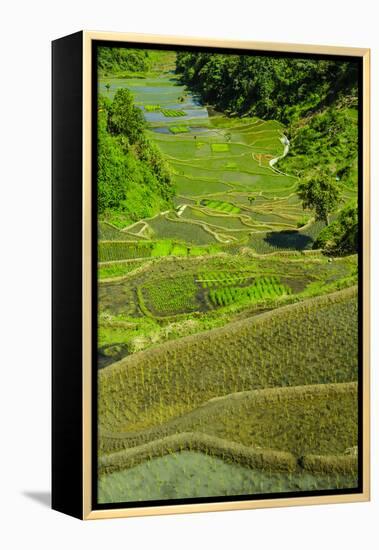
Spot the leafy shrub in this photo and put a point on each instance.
(114, 60)
(342, 236)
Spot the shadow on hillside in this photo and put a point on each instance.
(292, 239)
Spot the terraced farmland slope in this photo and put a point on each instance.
(285, 347)
(227, 347)
(227, 187)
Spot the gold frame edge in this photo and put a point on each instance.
(87, 279)
(364, 496)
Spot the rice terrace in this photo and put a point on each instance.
(227, 275)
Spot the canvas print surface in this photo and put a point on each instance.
(228, 237)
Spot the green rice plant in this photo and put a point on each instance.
(263, 289)
(118, 269)
(179, 129)
(108, 232)
(109, 251)
(210, 279)
(220, 147)
(162, 248)
(172, 112)
(152, 108)
(238, 357)
(181, 230)
(300, 420)
(222, 206)
(169, 296)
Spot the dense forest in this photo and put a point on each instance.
(133, 179)
(316, 100)
(282, 89)
(115, 60)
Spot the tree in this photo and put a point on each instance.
(281, 88)
(114, 60)
(348, 219)
(320, 193)
(124, 118)
(341, 236)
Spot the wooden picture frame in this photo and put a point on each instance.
(78, 447)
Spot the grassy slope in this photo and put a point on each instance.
(285, 347)
(326, 140)
(122, 293)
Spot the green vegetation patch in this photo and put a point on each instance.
(211, 279)
(222, 206)
(115, 60)
(133, 179)
(152, 108)
(220, 147)
(286, 419)
(118, 269)
(110, 251)
(263, 289)
(182, 374)
(214, 221)
(172, 112)
(193, 187)
(114, 251)
(169, 296)
(307, 275)
(180, 129)
(181, 230)
(108, 232)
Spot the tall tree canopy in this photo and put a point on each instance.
(278, 88)
(133, 179)
(115, 60)
(124, 118)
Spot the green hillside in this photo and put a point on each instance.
(285, 347)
